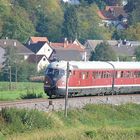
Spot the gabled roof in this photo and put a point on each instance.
(36, 46)
(120, 47)
(35, 39)
(35, 58)
(66, 54)
(69, 46)
(112, 13)
(20, 48)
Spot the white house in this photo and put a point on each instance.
(41, 48)
(41, 61)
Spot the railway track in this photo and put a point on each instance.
(78, 102)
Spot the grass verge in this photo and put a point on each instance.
(93, 122)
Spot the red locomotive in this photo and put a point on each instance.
(92, 77)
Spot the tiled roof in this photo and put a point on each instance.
(21, 49)
(112, 12)
(35, 58)
(38, 39)
(36, 46)
(66, 54)
(67, 46)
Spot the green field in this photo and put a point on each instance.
(18, 89)
(93, 122)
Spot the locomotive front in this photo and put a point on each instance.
(55, 79)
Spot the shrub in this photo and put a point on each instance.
(31, 95)
(23, 120)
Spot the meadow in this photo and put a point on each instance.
(93, 122)
(18, 89)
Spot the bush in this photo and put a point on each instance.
(24, 120)
(31, 95)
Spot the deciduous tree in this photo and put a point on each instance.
(103, 52)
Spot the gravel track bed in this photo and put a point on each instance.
(78, 102)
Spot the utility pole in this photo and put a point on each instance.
(16, 77)
(66, 95)
(10, 81)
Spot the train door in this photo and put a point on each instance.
(85, 78)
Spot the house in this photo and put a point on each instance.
(113, 16)
(41, 61)
(70, 46)
(65, 54)
(121, 48)
(40, 48)
(35, 39)
(20, 48)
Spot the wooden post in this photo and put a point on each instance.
(66, 95)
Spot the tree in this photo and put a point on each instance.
(103, 52)
(10, 64)
(101, 4)
(137, 53)
(88, 23)
(133, 9)
(70, 25)
(49, 19)
(18, 25)
(14, 66)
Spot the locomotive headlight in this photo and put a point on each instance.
(63, 83)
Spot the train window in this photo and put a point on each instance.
(118, 74)
(56, 72)
(85, 75)
(137, 74)
(61, 72)
(93, 75)
(49, 71)
(121, 74)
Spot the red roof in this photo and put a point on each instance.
(39, 39)
(67, 46)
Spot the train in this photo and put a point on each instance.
(91, 78)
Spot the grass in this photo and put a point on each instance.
(19, 89)
(93, 122)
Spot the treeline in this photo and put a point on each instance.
(20, 19)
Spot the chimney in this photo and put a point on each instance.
(50, 43)
(15, 43)
(66, 43)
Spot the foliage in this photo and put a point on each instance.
(137, 53)
(49, 19)
(92, 122)
(17, 24)
(101, 4)
(133, 9)
(133, 32)
(15, 66)
(88, 23)
(103, 52)
(24, 120)
(31, 95)
(70, 23)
